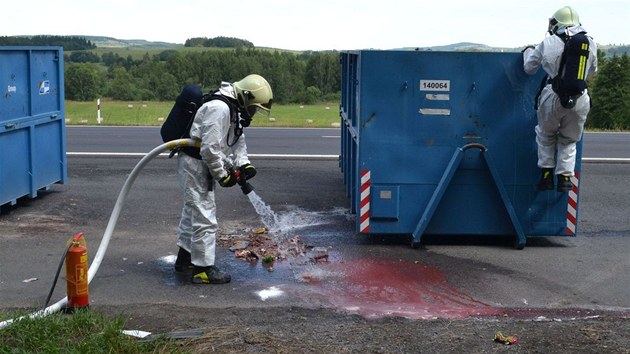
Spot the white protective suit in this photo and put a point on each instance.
(558, 129)
(198, 224)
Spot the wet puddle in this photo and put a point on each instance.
(372, 288)
(368, 287)
(381, 287)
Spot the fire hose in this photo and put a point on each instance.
(113, 220)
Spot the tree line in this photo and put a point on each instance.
(67, 42)
(610, 94)
(218, 42)
(296, 78)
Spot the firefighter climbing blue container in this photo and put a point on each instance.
(442, 143)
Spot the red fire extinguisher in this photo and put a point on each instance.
(77, 273)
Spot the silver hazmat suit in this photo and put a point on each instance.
(558, 129)
(198, 224)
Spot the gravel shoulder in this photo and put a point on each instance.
(301, 330)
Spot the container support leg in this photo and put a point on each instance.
(437, 196)
(520, 235)
(446, 180)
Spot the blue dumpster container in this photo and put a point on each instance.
(32, 121)
(443, 143)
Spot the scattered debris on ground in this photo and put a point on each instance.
(263, 246)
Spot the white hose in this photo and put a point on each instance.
(113, 219)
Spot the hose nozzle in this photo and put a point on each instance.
(241, 180)
(246, 187)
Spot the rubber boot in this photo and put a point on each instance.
(209, 275)
(183, 262)
(546, 180)
(564, 184)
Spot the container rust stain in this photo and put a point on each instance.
(377, 288)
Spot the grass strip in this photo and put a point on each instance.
(153, 113)
(84, 331)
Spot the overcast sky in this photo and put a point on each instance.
(316, 24)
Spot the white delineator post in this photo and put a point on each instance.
(98, 111)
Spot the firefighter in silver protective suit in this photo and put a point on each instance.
(223, 152)
(561, 117)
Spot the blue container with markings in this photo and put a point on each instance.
(32, 121)
(443, 143)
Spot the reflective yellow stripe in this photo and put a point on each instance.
(582, 67)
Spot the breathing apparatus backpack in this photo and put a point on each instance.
(570, 82)
(177, 124)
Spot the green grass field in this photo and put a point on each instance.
(153, 113)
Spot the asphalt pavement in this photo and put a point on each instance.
(449, 277)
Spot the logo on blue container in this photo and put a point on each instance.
(44, 87)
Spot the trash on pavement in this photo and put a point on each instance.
(507, 340)
(319, 254)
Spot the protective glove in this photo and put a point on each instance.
(247, 171)
(229, 180)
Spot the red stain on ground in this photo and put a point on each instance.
(376, 288)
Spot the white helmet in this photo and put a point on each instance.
(563, 18)
(254, 94)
